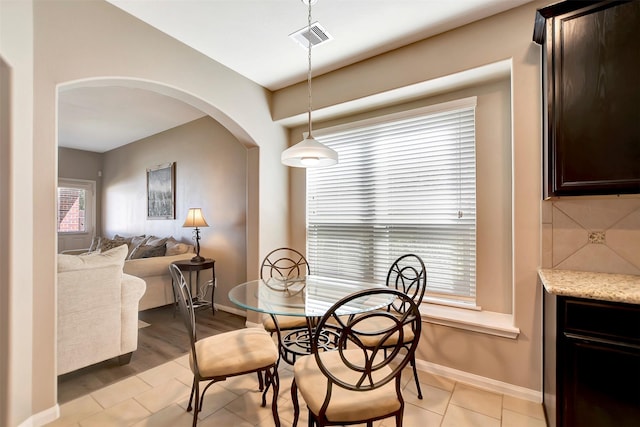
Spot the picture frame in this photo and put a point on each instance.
(161, 198)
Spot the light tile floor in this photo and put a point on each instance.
(158, 398)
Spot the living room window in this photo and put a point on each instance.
(76, 221)
(405, 183)
(72, 210)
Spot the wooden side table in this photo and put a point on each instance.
(190, 266)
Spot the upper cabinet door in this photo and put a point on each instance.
(591, 92)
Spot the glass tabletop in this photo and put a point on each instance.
(309, 296)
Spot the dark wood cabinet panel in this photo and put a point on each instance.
(591, 362)
(591, 62)
(601, 383)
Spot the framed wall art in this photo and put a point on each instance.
(161, 198)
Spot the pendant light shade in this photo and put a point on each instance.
(309, 153)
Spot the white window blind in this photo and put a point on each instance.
(404, 184)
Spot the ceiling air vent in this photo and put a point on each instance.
(317, 35)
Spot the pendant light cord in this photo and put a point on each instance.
(309, 69)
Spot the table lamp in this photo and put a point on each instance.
(195, 219)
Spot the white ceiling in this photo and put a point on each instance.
(252, 38)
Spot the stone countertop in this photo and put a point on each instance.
(598, 286)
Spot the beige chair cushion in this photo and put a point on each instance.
(285, 322)
(378, 323)
(235, 352)
(346, 405)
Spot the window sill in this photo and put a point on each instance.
(486, 322)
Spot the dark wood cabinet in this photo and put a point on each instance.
(591, 97)
(591, 362)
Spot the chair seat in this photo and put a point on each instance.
(234, 352)
(285, 323)
(374, 324)
(346, 405)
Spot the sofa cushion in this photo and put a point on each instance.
(106, 244)
(95, 241)
(154, 251)
(176, 248)
(132, 242)
(155, 241)
(115, 256)
(148, 251)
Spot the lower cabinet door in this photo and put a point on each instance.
(601, 383)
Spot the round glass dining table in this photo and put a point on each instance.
(310, 296)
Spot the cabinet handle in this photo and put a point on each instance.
(602, 341)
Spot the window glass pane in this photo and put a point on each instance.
(71, 210)
(405, 185)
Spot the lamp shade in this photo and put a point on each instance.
(195, 218)
(309, 153)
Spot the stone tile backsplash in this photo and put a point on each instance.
(592, 234)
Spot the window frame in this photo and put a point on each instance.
(465, 103)
(90, 205)
(496, 210)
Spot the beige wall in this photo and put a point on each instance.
(507, 36)
(5, 233)
(25, 386)
(211, 173)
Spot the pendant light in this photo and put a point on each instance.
(309, 152)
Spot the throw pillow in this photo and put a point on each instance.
(113, 256)
(141, 250)
(132, 242)
(154, 251)
(177, 248)
(155, 241)
(94, 244)
(106, 244)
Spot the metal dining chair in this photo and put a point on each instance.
(360, 380)
(228, 354)
(284, 264)
(408, 275)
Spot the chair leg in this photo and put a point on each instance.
(193, 389)
(399, 419)
(294, 399)
(260, 381)
(269, 380)
(415, 376)
(197, 408)
(274, 379)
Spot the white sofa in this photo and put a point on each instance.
(97, 309)
(155, 272)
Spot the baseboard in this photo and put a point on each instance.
(42, 418)
(480, 382)
(239, 312)
(232, 310)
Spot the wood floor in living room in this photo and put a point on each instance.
(164, 339)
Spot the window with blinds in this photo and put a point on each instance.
(404, 184)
